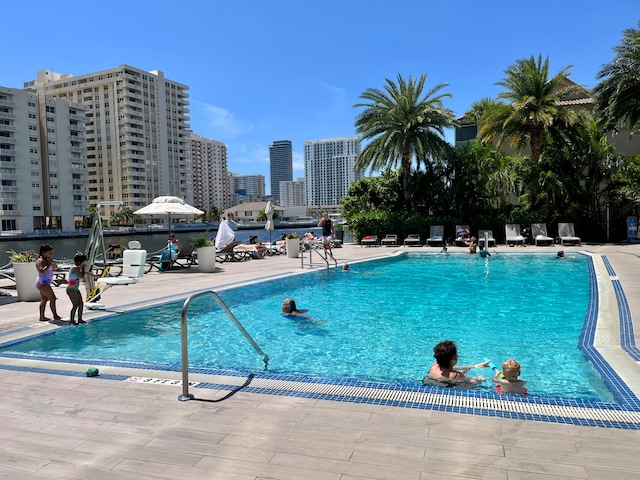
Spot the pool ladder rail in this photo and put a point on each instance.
(185, 354)
(318, 248)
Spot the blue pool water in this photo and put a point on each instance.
(379, 321)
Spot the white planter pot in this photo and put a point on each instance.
(26, 276)
(207, 259)
(293, 247)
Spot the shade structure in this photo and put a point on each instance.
(268, 211)
(168, 206)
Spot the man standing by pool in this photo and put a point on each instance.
(327, 233)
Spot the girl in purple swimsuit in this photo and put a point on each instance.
(46, 266)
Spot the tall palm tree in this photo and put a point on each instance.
(404, 125)
(536, 108)
(618, 94)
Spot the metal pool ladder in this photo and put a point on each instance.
(185, 355)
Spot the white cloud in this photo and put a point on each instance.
(216, 122)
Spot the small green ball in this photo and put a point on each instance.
(92, 372)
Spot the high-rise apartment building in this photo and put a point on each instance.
(246, 188)
(281, 165)
(137, 136)
(42, 162)
(329, 169)
(210, 173)
(292, 194)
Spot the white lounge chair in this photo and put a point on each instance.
(133, 267)
(513, 235)
(436, 236)
(412, 240)
(540, 236)
(567, 234)
(490, 240)
(390, 240)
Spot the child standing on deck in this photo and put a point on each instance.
(73, 283)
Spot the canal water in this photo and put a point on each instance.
(65, 248)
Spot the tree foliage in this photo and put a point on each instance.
(405, 126)
(618, 93)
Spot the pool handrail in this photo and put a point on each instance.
(315, 246)
(185, 354)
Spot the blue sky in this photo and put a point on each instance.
(260, 71)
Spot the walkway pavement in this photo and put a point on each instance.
(65, 425)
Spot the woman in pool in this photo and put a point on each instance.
(289, 309)
(443, 373)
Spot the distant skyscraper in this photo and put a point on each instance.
(210, 173)
(281, 162)
(246, 188)
(329, 169)
(292, 194)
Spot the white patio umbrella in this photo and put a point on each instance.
(268, 211)
(168, 206)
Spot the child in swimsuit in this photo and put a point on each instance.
(77, 272)
(443, 372)
(46, 266)
(507, 380)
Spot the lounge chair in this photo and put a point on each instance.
(412, 240)
(390, 240)
(229, 254)
(567, 234)
(133, 267)
(462, 235)
(436, 236)
(490, 240)
(370, 241)
(512, 234)
(540, 236)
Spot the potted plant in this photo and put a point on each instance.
(338, 231)
(206, 251)
(25, 274)
(293, 245)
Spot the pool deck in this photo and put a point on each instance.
(61, 425)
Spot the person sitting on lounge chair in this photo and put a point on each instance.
(170, 254)
(257, 251)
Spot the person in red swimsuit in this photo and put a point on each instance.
(46, 266)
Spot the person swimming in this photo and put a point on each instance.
(290, 309)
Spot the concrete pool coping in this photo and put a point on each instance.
(470, 402)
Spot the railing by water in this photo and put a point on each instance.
(185, 347)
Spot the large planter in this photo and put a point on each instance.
(293, 247)
(339, 234)
(26, 276)
(207, 259)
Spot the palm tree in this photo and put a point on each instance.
(618, 94)
(536, 113)
(403, 125)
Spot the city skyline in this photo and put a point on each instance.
(272, 72)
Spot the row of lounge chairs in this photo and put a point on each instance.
(566, 235)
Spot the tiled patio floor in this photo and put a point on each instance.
(71, 426)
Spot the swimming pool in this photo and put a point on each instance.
(488, 306)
